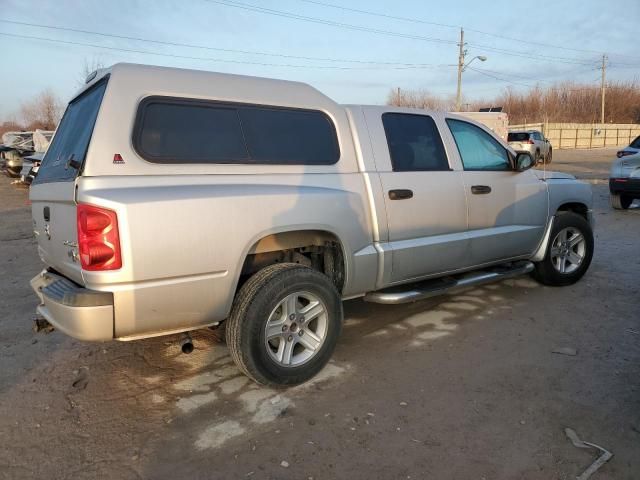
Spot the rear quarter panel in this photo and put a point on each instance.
(184, 238)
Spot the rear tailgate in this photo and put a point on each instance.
(518, 140)
(53, 191)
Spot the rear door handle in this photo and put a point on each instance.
(401, 194)
(480, 189)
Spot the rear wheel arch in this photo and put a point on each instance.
(319, 249)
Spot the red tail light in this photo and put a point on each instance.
(529, 142)
(98, 238)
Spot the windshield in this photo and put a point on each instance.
(65, 156)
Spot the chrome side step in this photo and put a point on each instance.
(431, 288)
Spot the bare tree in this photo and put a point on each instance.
(43, 112)
(10, 126)
(420, 99)
(561, 102)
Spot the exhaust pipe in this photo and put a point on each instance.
(186, 343)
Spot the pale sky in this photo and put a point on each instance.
(566, 42)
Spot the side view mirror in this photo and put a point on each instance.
(524, 161)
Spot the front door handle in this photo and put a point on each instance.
(480, 189)
(401, 194)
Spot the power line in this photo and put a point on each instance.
(426, 22)
(211, 59)
(281, 13)
(205, 47)
(498, 78)
(384, 15)
(487, 74)
(533, 56)
(578, 71)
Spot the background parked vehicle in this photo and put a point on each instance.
(12, 163)
(632, 149)
(30, 167)
(18, 150)
(532, 141)
(624, 180)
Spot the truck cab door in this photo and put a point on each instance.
(508, 210)
(424, 196)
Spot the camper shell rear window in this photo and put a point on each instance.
(65, 156)
(172, 130)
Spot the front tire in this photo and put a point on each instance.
(549, 157)
(569, 251)
(284, 324)
(620, 202)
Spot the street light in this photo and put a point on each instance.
(462, 67)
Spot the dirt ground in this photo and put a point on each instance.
(462, 387)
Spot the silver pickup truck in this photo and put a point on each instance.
(172, 200)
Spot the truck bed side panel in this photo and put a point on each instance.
(184, 238)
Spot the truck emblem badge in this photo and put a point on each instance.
(117, 159)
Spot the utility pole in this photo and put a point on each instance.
(460, 68)
(603, 88)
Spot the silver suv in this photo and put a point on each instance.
(533, 142)
(172, 200)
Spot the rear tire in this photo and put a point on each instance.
(620, 202)
(270, 308)
(569, 251)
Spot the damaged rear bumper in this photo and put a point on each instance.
(77, 311)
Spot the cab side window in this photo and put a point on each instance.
(478, 150)
(414, 143)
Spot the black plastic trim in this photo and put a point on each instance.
(630, 186)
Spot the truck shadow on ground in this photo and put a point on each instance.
(207, 385)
